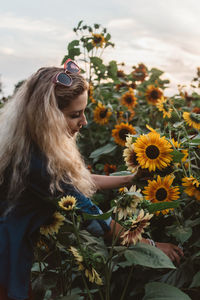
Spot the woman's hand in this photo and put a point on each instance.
(174, 252)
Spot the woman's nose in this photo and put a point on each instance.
(84, 120)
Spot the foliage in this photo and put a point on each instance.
(118, 101)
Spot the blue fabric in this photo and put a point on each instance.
(19, 228)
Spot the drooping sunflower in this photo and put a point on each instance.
(128, 99)
(192, 186)
(134, 234)
(121, 131)
(87, 267)
(108, 169)
(101, 114)
(53, 225)
(130, 158)
(67, 203)
(126, 205)
(153, 151)
(192, 119)
(98, 40)
(163, 105)
(161, 190)
(153, 94)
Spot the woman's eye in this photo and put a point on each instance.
(74, 116)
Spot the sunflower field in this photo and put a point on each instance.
(133, 127)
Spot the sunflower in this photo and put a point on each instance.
(196, 110)
(109, 169)
(130, 158)
(98, 40)
(121, 131)
(192, 119)
(126, 205)
(153, 94)
(120, 73)
(163, 106)
(140, 72)
(192, 186)
(67, 203)
(186, 154)
(90, 272)
(127, 116)
(90, 90)
(53, 225)
(101, 114)
(128, 99)
(134, 234)
(153, 151)
(177, 145)
(161, 190)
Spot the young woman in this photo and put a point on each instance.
(39, 160)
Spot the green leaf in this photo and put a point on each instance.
(195, 141)
(98, 217)
(107, 37)
(148, 256)
(177, 156)
(178, 124)
(112, 69)
(182, 234)
(72, 297)
(163, 291)
(192, 223)
(196, 280)
(73, 44)
(96, 61)
(107, 149)
(79, 24)
(161, 206)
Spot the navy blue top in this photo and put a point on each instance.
(19, 228)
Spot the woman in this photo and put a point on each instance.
(39, 160)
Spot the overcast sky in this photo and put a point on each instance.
(160, 33)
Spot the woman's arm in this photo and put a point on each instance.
(172, 251)
(104, 182)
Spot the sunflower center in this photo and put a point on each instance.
(97, 40)
(152, 152)
(133, 159)
(122, 133)
(154, 94)
(129, 99)
(161, 194)
(124, 202)
(68, 204)
(103, 113)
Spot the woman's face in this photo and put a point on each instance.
(74, 113)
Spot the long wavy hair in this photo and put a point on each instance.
(34, 114)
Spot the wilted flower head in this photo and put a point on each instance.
(134, 234)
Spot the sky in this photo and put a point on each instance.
(164, 34)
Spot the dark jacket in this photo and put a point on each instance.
(19, 227)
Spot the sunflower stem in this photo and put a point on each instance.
(186, 133)
(127, 283)
(86, 286)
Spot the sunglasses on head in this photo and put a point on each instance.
(62, 77)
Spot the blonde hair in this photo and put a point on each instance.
(34, 114)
